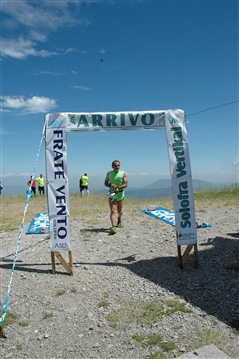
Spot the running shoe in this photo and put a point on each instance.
(112, 230)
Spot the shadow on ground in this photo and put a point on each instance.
(213, 286)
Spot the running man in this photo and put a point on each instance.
(117, 181)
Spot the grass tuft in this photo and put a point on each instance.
(23, 323)
(156, 355)
(103, 304)
(176, 306)
(60, 291)
(47, 315)
(144, 312)
(148, 340)
(206, 337)
(10, 318)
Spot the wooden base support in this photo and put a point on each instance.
(2, 333)
(182, 258)
(67, 266)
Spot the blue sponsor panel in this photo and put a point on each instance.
(39, 225)
(168, 217)
(161, 213)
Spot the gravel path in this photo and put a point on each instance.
(62, 316)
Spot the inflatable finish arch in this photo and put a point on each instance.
(58, 124)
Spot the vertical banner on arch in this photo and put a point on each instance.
(180, 169)
(57, 183)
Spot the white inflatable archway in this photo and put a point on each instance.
(57, 126)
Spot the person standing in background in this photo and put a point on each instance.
(80, 183)
(84, 184)
(32, 184)
(40, 181)
(1, 187)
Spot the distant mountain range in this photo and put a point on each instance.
(163, 188)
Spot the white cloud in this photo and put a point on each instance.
(50, 73)
(24, 174)
(37, 36)
(8, 175)
(137, 174)
(38, 73)
(70, 49)
(18, 49)
(34, 104)
(80, 87)
(30, 22)
(165, 174)
(235, 162)
(21, 48)
(41, 14)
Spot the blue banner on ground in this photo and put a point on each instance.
(167, 216)
(39, 225)
(161, 213)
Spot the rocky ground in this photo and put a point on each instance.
(102, 311)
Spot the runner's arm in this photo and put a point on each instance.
(125, 181)
(107, 179)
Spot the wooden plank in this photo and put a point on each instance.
(186, 253)
(70, 260)
(196, 255)
(53, 263)
(2, 333)
(180, 263)
(64, 263)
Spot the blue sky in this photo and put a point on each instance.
(108, 56)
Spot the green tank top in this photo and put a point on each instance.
(116, 177)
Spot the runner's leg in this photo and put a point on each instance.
(120, 207)
(112, 204)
